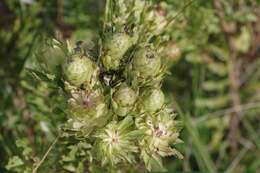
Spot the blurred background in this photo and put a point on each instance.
(215, 79)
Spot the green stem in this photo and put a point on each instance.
(107, 14)
(179, 12)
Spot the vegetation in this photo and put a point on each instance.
(129, 86)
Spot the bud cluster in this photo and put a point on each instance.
(114, 99)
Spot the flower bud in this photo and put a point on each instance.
(146, 63)
(153, 100)
(79, 70)
(123, 100)
(115, 46)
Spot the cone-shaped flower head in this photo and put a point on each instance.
(115, 46)
(117, 142)
(123, 99)
(152, 100)
(79, 70)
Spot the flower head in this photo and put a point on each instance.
(88, 107)
(117, 142)
(161, 133)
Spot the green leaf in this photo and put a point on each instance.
(213, 85)
(243, 42)
(14, 162)
(218, 68)
(24, 144)
(212, 102)
(39, 75)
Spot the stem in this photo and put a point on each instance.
(60, 11)
(234, 89)
(107, 14)
(45, 155)
(233, 75)
(236, 161)
(179, 12)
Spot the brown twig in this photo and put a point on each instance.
(45, 155)
(228, 111)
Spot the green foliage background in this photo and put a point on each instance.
(213, 84)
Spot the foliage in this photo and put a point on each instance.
(218, 41)
(211, 49)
